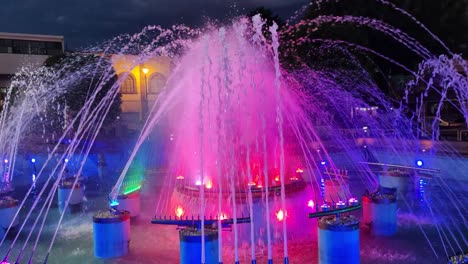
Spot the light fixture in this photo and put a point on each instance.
(145, 70)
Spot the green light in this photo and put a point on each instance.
(132, 190)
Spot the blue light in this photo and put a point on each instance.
(66, 160)
(323, 163)
(33, 160)
(419, 163)
(114, 203)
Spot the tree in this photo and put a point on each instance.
(84, 73)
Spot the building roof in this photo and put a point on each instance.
(38, 37)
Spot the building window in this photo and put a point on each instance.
(128, 85)
(20, 46)
(38, 48)
(6, 45)
(157, 82)
(54, 48)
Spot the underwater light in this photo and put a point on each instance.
(179, 211)
(280, 215)
(132, 190)
(419, 163)
(209, 184)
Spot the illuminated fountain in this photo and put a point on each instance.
(250, 152)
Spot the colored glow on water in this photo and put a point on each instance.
(132, 189)
(179, 211)
(310, 204)
(280, 215)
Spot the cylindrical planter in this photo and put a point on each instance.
(111, 234)
(384, 214)
(190, 246)
(366, 210)
(8, 208)
(64, 191)
(130, 202)
(335, 191)
(395, 180)
(338, 240)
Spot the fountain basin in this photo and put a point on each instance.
(8, 209)
(130, 202)
(338, 240)
(111, 233)
(190, 246)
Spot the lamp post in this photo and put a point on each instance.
(145, 72)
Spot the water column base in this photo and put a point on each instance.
(338, 240)
(130, 202)
(384, 214)
(111, 233)
(190, 246)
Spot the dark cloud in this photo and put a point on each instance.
(84, 22)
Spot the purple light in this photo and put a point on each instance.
(5, 161)
(323, 163)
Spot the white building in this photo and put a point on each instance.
(17, 50)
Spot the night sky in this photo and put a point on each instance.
(85, 22)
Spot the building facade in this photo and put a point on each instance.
(140, 85)
(18, 50)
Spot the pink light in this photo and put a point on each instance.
(179, 211)
(299, 170)
(209, 184)
(223, 216)
(251, 184)
(180, 177)
(310, 204)
(198, 183)
(280, 215)
(277, 179)
(294, 178)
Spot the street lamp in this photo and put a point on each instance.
(145, 72)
